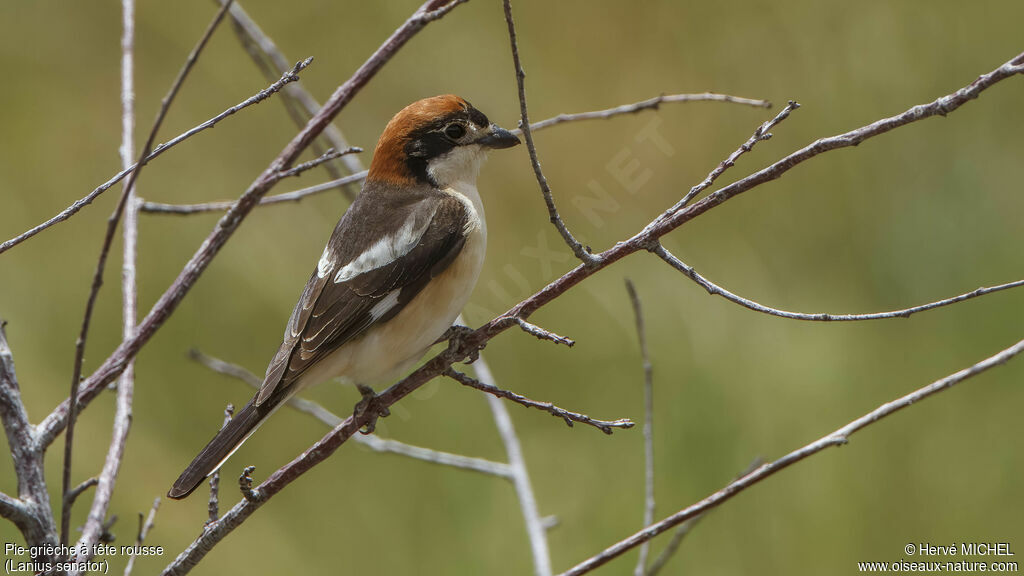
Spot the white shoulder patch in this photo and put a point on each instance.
(384, 251)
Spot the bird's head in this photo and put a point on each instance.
(439, 141)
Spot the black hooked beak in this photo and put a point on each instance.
(498, 137)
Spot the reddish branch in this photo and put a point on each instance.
(647, 239)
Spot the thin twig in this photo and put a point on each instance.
(606, 426)
(715, 289)
(224, 205)
(213, 506)
(327, 156)
(649, 104)
(77, 491)
(673, 545)
(685, 528)
(92, 529)
(145, 526)
(371, 441)
(577, 248)
(94, 523)
(837, 438)
(541, 333)
(762, 133)
(649, 503)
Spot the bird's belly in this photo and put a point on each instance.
(387, 350)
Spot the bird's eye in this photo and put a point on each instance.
(455, 131)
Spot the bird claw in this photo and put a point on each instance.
(366, 405)
(455, 335)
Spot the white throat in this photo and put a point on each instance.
(458, 168)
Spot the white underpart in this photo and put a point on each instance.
(384, 251)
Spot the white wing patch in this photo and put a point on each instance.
(386, 303)
(385, 251)
(323, 267)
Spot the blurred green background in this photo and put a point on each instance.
(926, 212)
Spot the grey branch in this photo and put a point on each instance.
(606, 426)
(224, 205)
(330, 154)
(77, 491)
(213, 505)
(272, 62)
(371, 441)
(762, 133)
(145, 526)
(535, 529)
(715, 289)
(94, 524)
(837, 438)
(541, 333)
(649, 104)
(129, 294)
(30, 511)
(524, 124)
(649, 502)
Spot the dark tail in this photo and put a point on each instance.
(229, 439)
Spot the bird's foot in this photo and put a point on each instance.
(368, 406)
(455, 336)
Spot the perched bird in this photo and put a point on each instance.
(395, 274)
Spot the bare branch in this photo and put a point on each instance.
(145, 526)
(224, 205)
(371, 441)
(673, 545)
(105, 488)
(213, 506)
(327, 156)
(762, 133)
(541, 333)
(14, 510)
(31, 511)
(649, 104)
(837, 438)
(290, 76)
(649, 503)
(272, 62)
(606, 426)
(77, 491)
(535, 528)
(585, 256)
(113, 366)
(714, 289)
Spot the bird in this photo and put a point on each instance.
(394, 275)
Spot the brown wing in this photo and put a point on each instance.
(422, 233)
